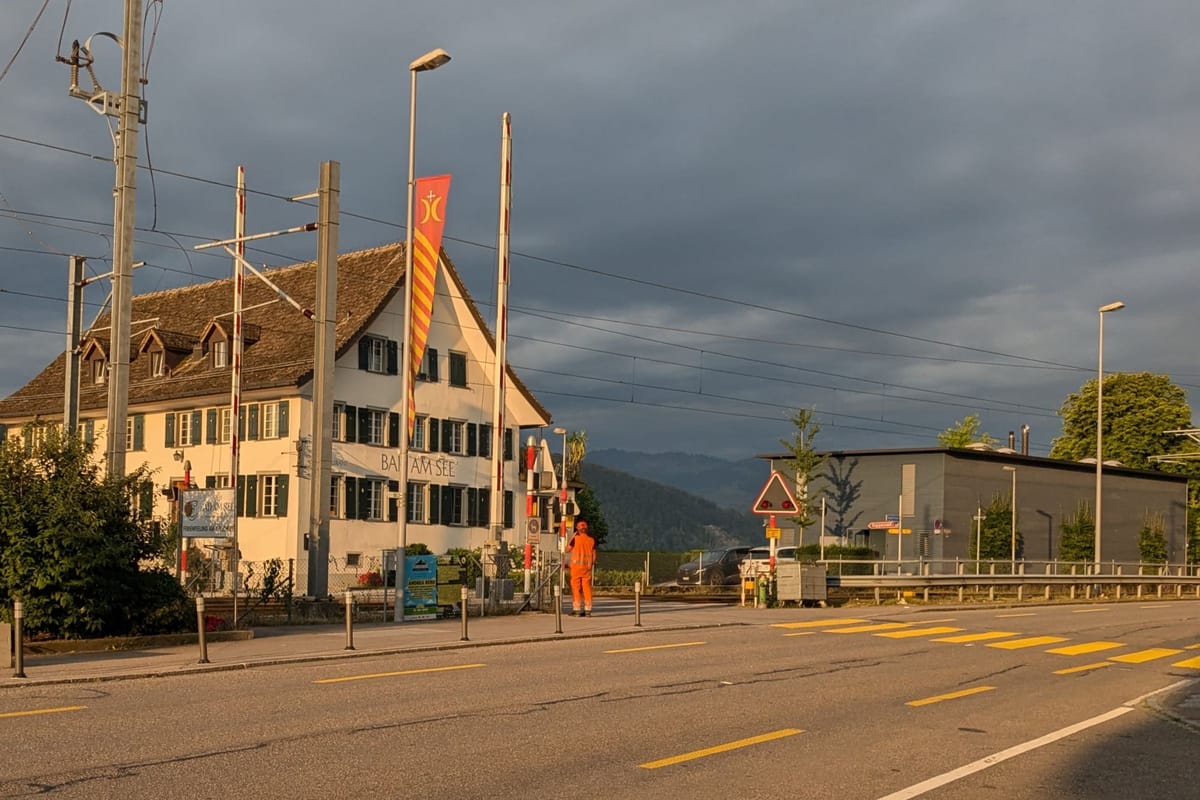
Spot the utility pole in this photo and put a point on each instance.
(74, 326)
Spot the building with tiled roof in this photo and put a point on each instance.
(179, 409)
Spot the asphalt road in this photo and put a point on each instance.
(816, 707)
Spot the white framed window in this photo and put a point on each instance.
(377, 355)
(99, 370)
(220, 353)
(226, 432)
(339, 411)
(376, 427)
(157, 364)
(270, 420)
(184, 435)
(420, 429)
(129, 434)
(417, 493)
(336, 486)
(268, 490)
(221, 481)
(373, 496)
(458, 436)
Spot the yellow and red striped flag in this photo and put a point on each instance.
(429, 219)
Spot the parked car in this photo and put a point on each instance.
(713, 567)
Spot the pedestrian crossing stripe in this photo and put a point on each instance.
(966, 638)
(1084, 668)
(882, 626)
(1035, 641)
(1191, 663)
(818, 623)
(1086, 647)
(918, 632)
(1142, 656)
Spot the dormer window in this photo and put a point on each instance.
(158, 364)
(220, 353)
(99, 370)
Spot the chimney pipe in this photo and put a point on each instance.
(1012, 440)
(1024, 440)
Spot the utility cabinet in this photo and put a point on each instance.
(799, 583)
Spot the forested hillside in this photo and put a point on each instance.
(643, 515)
(732, 484)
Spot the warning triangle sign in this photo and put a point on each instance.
(775, 498)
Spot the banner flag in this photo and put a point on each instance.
(429, 218)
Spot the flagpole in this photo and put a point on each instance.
(495, 507)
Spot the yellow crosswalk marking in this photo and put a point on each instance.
(400, 673)
(817, 623)
(882, 626)
(918, 632)
(977, 637)
(1142, 656)
(656, 647)
(721, 748)
(1192, 647)
(1034, 641)
(1191, 663)
(1084, 668)
(800, 633)
(1086, 647)
(950, 696)
(36, 711)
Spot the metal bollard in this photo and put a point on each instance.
(201, 631)
(18, 637)
(463, 603)
(637, 604)
(558, 609)
(349, 621)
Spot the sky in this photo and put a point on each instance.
(895, 214)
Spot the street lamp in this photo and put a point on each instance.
(431, 60)
(1100, 422)
(1013, 517)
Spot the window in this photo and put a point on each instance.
(458, 369)
(421, 423)
(428, 370)
(372, 498)
(184, 423)
(455, 436)
(220, 353)
(376, 354)
(269, 486)
(353, 560)
(270, 417)
(226, 425)
(339, 411)
(218, 481)
(157, 364)
(452, 505)
(99, 370)
(335, 496)
(134, 432)
(416, 502)
(376, 426)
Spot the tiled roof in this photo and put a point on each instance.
(283, 355)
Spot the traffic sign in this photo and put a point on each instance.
(774, 533)
(775, 498)
(892, 517)
(880, 525)
(897, 530)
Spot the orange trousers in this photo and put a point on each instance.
(581, 589)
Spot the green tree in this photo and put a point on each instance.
(1152, 539)
(995, 532)
(1139, 409)
(589, 509)
(805, 462)
(73, 542)
(1077, 541)
(964, 432)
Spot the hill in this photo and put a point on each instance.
(644, 515)
(732, 484)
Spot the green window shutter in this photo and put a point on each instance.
(472, 433)
(447, 504)
(89, 431)
(485, 507)
(431, 354)
(240, 496)
(393, 429)
(364, 498)
(435, 504)
(139, 432)
(241, 423)
(393, 358)
(485, 441)
(197, 418)
(446, 436)
(169, 438)
(251, 495)
(364, 425)
(146, 500)
(281, 419)
(351, 494)
(364, 352)
(508, 509)
(252, 421)
(210, 482)
(508, 444)
(350, 431)
(472, 500)
(434, 437)
(393, 500)
(210, 426)
(281, 507)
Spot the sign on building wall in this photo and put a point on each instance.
(207, 513)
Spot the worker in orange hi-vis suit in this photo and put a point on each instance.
(582, 548)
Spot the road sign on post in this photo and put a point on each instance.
(775, 498)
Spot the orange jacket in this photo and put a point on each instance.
(582, 548)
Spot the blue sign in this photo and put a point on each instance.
(420, 587)
(892, 517)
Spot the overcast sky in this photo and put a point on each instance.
(894, 213)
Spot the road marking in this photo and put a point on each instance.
(1089, 610)
(1086, 647)
(1192, 647)
(883, 626)
(1142, 656)
(1034, 641)
(950, 696)
(1156, 605)
(655, 647)
(934, 621)
(349, 678)
(817, 623)
(918, 789)
(1190, 663)
(36, 711)
(1084, 668)
(919, 632)
(1025, 614)
(800, 633)
(721, 748)
(977, 637)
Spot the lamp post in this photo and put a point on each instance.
(1013, 517)
(1100, 422)
(431, 60)
(562, 499)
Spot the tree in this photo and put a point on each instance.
(585, 498)
(1139, 409)
(72, 544)
(1152, 539)
(804, 463)
(964, 432)
(996, 533)
(1077, 541)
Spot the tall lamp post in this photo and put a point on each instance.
(1100, 423)
(562, 499)
(431, 60)
(1013, 517)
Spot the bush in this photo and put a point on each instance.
(370, 580)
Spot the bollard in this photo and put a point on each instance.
(201, 631)
(349, 621)
(558, 609)
(637, 604)
(463, 603)
(18, 637)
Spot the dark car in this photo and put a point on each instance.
(713, 567)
